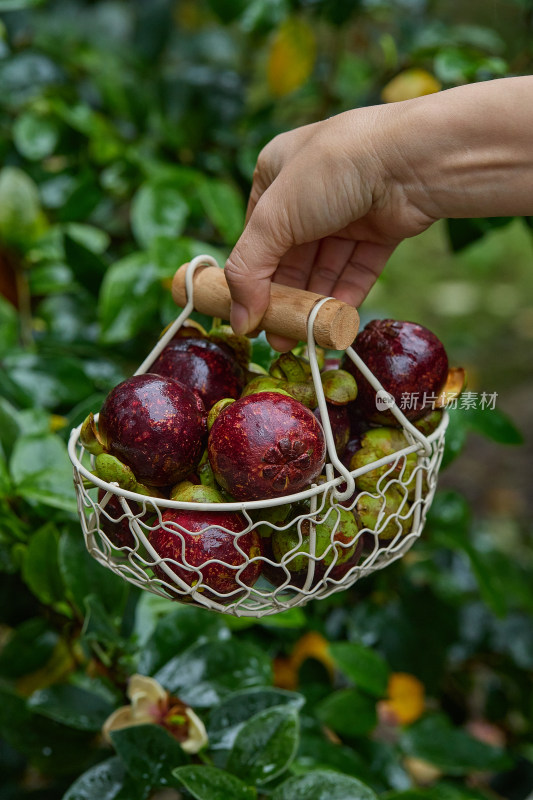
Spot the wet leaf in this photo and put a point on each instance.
(72, 706)
(348, 712)
(206, 673)
(436, 740)
(323, 785)
(35, 136)
(158, 209)
(40, 568)
(149, 753)
(210, 783)
(229, 717)
(266, 745)
(366, 668)
(106, 781)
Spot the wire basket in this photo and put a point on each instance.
(118, 524)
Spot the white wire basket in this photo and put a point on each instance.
(118, 525)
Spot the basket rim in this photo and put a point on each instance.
(244, 505)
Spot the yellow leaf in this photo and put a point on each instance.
(408, 84)
(405, 701)
(312, 645)
(291, 58)
(285, 674)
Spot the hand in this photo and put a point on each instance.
(324, 214)
(331, 201)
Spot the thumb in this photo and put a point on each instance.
(252, 263)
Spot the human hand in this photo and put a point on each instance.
(325, 213)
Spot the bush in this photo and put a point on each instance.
(128, 135)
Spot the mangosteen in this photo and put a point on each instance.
(154, 425)
(373, 510)
(376, 444)
(338, 548)
(207, 367)
(340, 425)
(266, 445)
(114, 522)
(199, 549)
(408, 360)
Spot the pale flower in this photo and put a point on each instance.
(153, 705)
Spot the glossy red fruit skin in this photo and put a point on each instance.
(201, 545)
(119, 532)
(340, 425)
(156, 426)
(204, 366)
(266, 445)
(407, 358)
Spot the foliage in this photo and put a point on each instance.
(128, 136)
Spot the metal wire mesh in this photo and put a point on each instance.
(123, 529)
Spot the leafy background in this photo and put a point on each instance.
(128, 137)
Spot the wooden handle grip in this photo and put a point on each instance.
(335, 327)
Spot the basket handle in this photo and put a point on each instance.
(335, 327)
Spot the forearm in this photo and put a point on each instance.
(467, 152)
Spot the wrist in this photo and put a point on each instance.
(467, 152)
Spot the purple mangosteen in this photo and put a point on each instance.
(408, 360)
(154, 425)
(266, 445)
(209, 368)
(205, 540)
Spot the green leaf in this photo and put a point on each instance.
(149, 753)
(40, 568)
(366, 668)
(435, 739)
(210, 783)
(6, 487)
(450, 512)
(52, 748)
(158, 209)
(455, 437)
(83, 576)
(106, 781)
(19, 5)
(42, 471)
(224, 206)
(72, 706)
(348, 712)
(48, 380)
(94, 239)
(35, 136)
(9, 326)
(441, 791)
(266, 745)
(207, 673)
(176, 631)
(227, 10)
(229, 717)
(129, 297)
(291, 618)
(463, 232)
(323, 785)
(493, 424)
(262, 353)
(9, 426)
(29, 647)
(317, 752)
(21, 218)
(100, 625)
(87, 267)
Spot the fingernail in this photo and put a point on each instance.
(239, 319)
